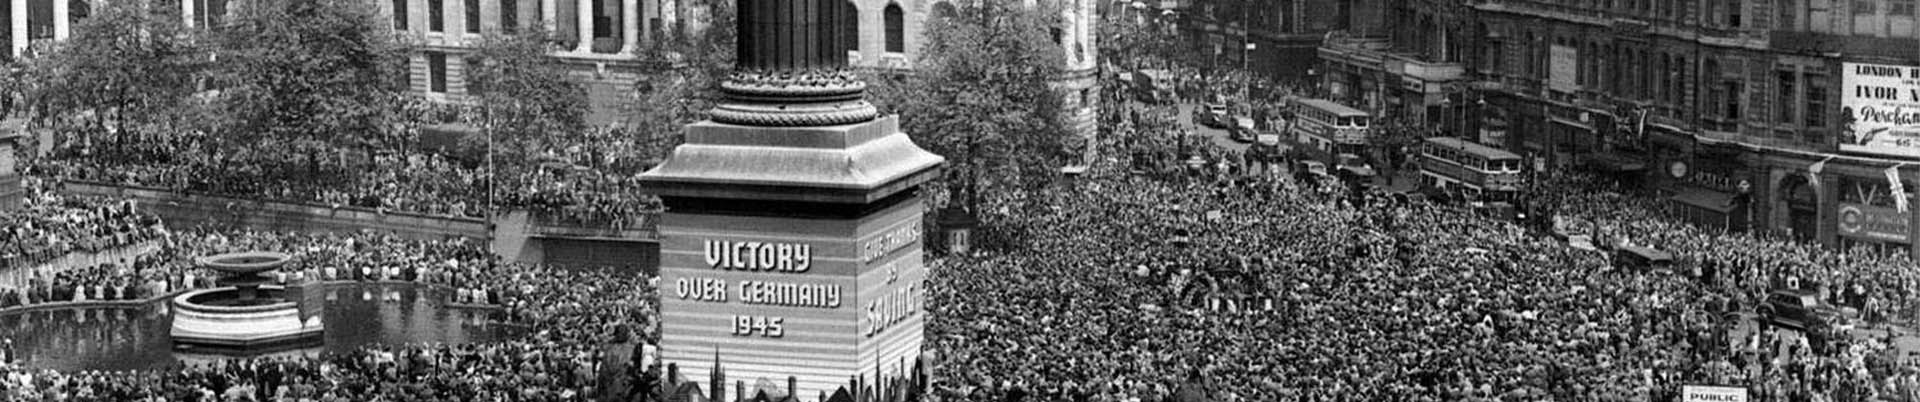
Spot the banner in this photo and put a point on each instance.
(1564, 69)
(1880, 109)
(1702, 393)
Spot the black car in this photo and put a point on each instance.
(1800, 309)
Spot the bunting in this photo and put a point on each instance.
(1898, 190)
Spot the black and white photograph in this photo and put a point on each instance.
(959, 200)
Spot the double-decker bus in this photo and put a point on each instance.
(1461, 169)
(1330, 127)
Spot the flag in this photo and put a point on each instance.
(1640, 129)
(1899, 190)
(1813, 171)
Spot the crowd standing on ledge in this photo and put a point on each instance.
(51, 226)
(579, 184)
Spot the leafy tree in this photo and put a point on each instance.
(681, 78)
(124, 70)
(982, 96)
(528, 101)
(306, 77)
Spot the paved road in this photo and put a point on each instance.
(1404, 180)
(1906, 340)
(1218, 136)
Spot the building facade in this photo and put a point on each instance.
(602, 40)
(1284, 34)
(1780, 116)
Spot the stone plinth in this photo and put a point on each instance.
(794, 252)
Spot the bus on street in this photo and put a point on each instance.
(1457, 169)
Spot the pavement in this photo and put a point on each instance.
(1403, 180)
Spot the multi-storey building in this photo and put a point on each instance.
(601, 40)
(1782, 116)
(1284, 33)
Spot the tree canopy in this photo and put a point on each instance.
(528, 101)
(306, 76)
(982, 94)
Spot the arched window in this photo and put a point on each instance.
(943, 11)
(896, 28)
(850, 33)
(79, 10)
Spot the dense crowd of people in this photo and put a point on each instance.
(1373, 300)
(572, 316)
(49, 226)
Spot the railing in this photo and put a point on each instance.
(642, 226)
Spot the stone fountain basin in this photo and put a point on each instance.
(250, 262)
(220, 317)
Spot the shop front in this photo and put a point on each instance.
(1867, 216)
(1705, 189)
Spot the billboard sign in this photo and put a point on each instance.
(1880, 109)
(1873, 223)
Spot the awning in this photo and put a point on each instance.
(1709, 199)
(1613, 163)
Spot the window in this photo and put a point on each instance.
(436, 72)
(943, 11)
(473, 16)
(851, 32)
(1733, 13)
(509, 15)
(1863, 7)
(1900, 7)
(1712, 95)
(399, 15)
(435, 21)
(1785, 101)
(1788, 11)
(1732, 106)
(216, 12)
(1816, 106)
(896, 28)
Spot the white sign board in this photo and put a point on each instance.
(1564, 69)
(1880, 109)
(1702, 393)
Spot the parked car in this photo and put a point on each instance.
(1212, 115)
(1242, 129)
(1800, 309)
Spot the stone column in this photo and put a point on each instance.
(62, 26)
(19, 22)
(549, 15)
(585, 18)
(186, 12)
(630, 24)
